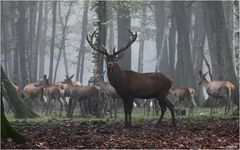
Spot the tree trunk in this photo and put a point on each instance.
(21, 30)
(32, 41)
(124, 23)
(159, 12)
(221, 58)
(19, 107)
(198, 49)
(236, 36)
(172, 43)
(36, 49)
(62, 41)
(43, 41)
(52, 41)
(101, 22)
(141, 41)
(7, 131)
(81, 52)
(184, 66)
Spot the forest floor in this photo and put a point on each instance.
(201, 132)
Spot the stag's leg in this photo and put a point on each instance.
(126, 112)
(130, 104)
(171, 108)
(163, 110)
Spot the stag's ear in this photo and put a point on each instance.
(71, 76)
(120, 56)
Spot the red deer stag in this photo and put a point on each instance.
(81, 93)
(217, 90)
(130, 84)
(185, 96)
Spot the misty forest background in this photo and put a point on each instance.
(175, 38)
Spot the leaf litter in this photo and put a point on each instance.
(71, 134)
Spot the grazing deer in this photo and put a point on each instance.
(185, 96)
(52, 93)
(130, 84)
(217, 90)
(30, 91)
(82, 93)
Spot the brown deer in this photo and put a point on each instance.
(30, 92)
(217, 90)
(130, 84)
(185, 96)
(110, 94)
(81, 93)
(52, 93)
(65, 92)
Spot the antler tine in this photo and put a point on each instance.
(130, 42)
(90, 42)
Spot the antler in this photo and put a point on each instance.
(131, 40)
(90, 41)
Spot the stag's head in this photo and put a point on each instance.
(68, 80)
(202, 77)
(42, 82)
(111, 59)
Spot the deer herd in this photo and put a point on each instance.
(124, 84)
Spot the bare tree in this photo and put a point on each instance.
(52, 40)
(81, 52)
(184, 68)
(62, 40)
(42, 46)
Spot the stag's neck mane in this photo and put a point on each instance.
(115, 75)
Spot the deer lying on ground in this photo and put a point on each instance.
(217, 90)
(81, 93)
(130, 84)
(52, 93)
(185, 96)
(30, 92)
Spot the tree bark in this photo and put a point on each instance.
(124, 23)
(52, 41)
